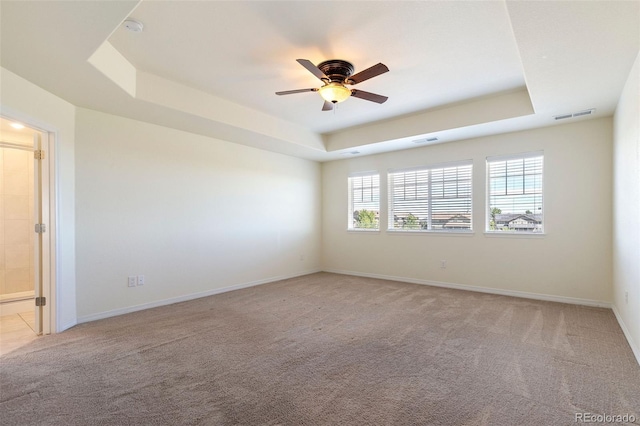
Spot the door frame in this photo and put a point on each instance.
(46, 271)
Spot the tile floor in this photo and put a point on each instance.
(16, 330)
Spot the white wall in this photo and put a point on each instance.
(24, 101)
(191, 213)
(626, 206)
(572, 260)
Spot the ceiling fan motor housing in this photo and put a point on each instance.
(337, 70)
(335, 75)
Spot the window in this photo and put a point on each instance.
(515, 193)
(431, 198)
(364, 201)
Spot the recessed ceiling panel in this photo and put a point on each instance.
(576, 55)
(437, 52)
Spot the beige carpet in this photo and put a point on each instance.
(328, 349)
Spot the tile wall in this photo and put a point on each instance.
(16, 221)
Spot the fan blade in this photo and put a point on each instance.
(368, 73)
(290, 92)
(368, 96)
(312, 68)
(328, 106)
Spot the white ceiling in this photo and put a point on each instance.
(244, 52)
(457, 69)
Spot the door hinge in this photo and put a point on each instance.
(38, 154)
(40, 228)
(41, 301)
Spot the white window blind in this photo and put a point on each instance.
(434, 198)
(515, 193)
(364, 201)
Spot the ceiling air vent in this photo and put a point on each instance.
(575, 114)
(423, 140)
(562, 117)
(581, 113)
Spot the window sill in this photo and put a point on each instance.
(439, 233)
(364, 230)
(506, 234)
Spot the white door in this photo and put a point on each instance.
(42, 230)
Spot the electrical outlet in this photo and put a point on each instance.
(626, 297)
(131, 281)
(140, 279)
(301, 257)
(443, 264)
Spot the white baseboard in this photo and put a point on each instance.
(184, 298)
(17, 306)
(634, 348)
(65, 326)
(514, 293)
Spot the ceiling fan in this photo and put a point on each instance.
(336, 74)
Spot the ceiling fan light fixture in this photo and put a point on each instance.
(335, 74)
(334, 92)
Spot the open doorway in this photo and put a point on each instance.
(25, 284)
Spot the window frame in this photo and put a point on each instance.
(521, 234)
(350, 206)
(429, 169)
